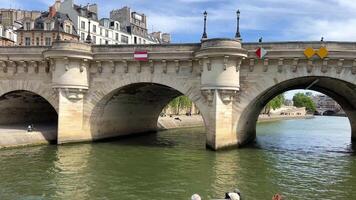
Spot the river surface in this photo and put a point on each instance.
(302, 159)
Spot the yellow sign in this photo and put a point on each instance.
(322, 52)
(309, 52)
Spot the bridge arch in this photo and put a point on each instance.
(136, 102)
(37, 87)
(341, 90)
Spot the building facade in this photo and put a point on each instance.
(46, 28)
(7, 36)
(8, 17)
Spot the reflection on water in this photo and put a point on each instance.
(303, 159)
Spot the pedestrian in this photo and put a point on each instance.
(195, 197)
(29, 128)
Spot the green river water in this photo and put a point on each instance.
(302, 159)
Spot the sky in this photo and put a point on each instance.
(274, 20)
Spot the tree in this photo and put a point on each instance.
(178, 103)
(275, 103)
(302, 100)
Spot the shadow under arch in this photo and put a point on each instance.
(132, 109)
(344, 93)
(19, 108)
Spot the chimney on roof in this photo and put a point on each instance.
(52, 11)
(57, 4)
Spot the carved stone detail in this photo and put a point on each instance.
(209, 95)
(73, 93)
(152, 67)
(113, 66)
(164, 66)
(99, 66)
(4, 65)
(324, 67)
(310, 66)
(295, 65)
(126, 66)
(238, 64)
(353, 70)
(265, 65)
(340, 64)
(139, 67)
(83, 64)
(227, 96)
(208, 64)
(252, 64)
(226, 62)
(280, 65)
(34, 64)
(66, 63)
(177, 66)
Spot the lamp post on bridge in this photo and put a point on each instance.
(238, 35)
(205, 36)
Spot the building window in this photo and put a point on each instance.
(106, 33)
(68, 29)
(116, 36)
(94, 29)
(48, 26)
(94, 39)
(135, 40)
(101, 41)
(48, 41)
(106, 42)
(139, 40)
(37, 41)
(27, 41)
(82, 26)
(101, 31)
(82, 36)
(124, 39)
(28, 26)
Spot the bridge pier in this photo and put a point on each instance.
(70, 80)
(220, 131)
(220, 84)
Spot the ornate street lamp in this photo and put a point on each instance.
(88, 40)
(238, 35)
(204, 33)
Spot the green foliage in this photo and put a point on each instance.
(302, 100)
(178, 103)
(275, 103)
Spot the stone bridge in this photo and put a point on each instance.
(101, 91)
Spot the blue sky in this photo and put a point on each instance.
(274, 20)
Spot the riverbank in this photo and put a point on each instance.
(271, 118)
(183, 121)
(17, 135)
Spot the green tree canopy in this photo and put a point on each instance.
(302, 100)
(275, 103)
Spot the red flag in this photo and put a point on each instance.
(261, 52)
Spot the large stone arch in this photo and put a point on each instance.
(340, 86)
(97, 98)
(37, 87)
